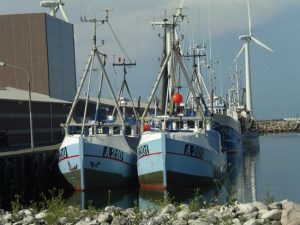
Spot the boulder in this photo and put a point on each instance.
(251, 222)
(259, 205)
(63, 220)
(212, 219)
(119, 220)
(8, 217)
(162, 218)
(246, 208)
(197, 222)
(290, 214)
(184, 214)
(169, 209)
(275, 205)
(28, 212)
(40, 215)
(82, 223)
(236, 221)
(184, 207)
(274, 214)
(105, 217)
(274, 222)
(28, 220)
(195, 215)
(179, 222)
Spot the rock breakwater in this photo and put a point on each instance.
(256, 213)
(278, 126)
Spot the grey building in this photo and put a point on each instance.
(44, 46)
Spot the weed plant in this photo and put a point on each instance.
(269, 198)
(53, 202)
(196, 201)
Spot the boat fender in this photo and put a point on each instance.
(146, 127)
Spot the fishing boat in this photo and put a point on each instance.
(99, 148)
(226, 122)
(224, 117)
(177, 147)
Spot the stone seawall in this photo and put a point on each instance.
(278, 126)
(256, 213)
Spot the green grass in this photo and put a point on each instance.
(53, 202)
(16, 205)
(91, 210)
(195, 203)
(166, 200)
(55, 206)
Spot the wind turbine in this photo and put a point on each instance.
(248, 38)
(54, 7)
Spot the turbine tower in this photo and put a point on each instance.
(54, 6)
(248, 38)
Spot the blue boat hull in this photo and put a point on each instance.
(167, 160)
(90, 163)
(230, 131)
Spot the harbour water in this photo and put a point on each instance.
(273, 171)
(277, 167)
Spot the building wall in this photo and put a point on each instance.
(61, 58)
(44, 46)
(23, 44)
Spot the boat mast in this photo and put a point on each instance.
(94, 53)
(174, 57)
(237, 85)
(164, 82)
(197, 78)
(210, 63)
(125, 85)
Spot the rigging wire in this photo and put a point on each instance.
(117, 39)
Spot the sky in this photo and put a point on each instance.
(275, 76)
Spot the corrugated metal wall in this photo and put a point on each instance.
(23, 44)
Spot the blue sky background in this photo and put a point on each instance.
(275, 76)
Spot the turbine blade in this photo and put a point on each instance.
(249, 18)
(240, 52)
(179, 9)
(261, 44)
(181, 4)
(63, 13)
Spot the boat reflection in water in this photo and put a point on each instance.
(242, 174)
(123, 198)
(249, 171)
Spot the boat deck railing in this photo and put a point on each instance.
(102, 128)
(175, 124)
